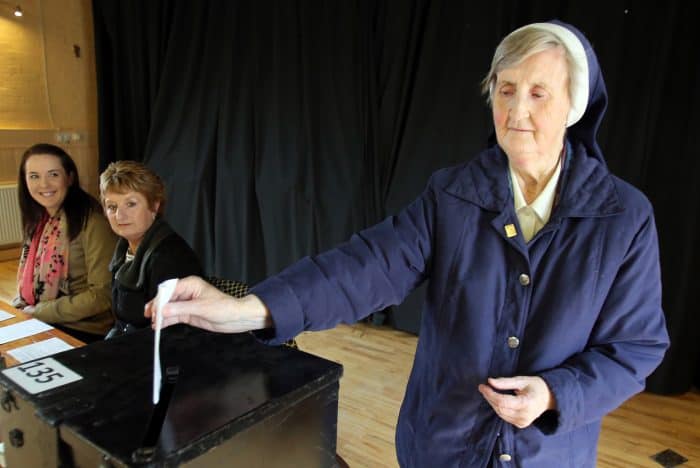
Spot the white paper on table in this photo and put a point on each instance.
(165, 292)
(5, 315)
(39, 350)
(22, 330)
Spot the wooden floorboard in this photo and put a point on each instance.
(8, 280)
(377, 362)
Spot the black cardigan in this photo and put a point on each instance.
(161, 255)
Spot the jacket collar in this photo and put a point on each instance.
(586, 189)
(133, 274)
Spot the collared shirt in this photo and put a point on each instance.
(534, 216)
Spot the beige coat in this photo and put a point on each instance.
(88, 306)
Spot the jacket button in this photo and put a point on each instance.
(504, 457)
(524, 279)
(513, 342)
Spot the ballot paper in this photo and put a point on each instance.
(39, 350)
(165, 291)
(22, 330)
(4, 316)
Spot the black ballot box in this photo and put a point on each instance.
(226, 400)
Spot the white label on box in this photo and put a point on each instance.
(41, 375)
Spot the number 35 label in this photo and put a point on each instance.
(41, 375)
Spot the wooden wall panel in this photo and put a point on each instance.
(48, 84)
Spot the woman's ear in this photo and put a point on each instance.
(156, 207)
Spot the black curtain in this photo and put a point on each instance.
(281, 127)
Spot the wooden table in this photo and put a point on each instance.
(20, 317)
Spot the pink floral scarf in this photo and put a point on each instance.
(43, 265)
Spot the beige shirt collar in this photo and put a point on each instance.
(544, 202)
(541, 206)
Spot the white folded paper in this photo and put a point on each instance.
(4, 316)
(39, 350)
(165, 292)
(22, 330)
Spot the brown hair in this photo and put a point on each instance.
(131, 176)
(77, 205)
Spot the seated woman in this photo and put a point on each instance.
(63, 277)
(149, 251)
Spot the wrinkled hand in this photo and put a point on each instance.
(531, 398)
(198, 303)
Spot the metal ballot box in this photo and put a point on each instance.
(226, 400)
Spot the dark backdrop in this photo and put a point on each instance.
(280, 127)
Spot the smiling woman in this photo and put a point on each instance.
(62, 277)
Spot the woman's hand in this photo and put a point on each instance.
(198, 303)
(18, 303)
(529, 399)
(29, 309)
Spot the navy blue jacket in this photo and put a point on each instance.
(583, 297)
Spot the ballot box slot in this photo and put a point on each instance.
(147, 451)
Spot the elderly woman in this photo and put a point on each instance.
(543, 310)
(148, 251)
(63, 277)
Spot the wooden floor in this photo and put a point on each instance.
(377, 362)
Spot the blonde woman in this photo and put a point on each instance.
(148, 251)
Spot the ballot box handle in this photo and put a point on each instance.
(8, 401)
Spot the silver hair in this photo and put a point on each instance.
(517, 47)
